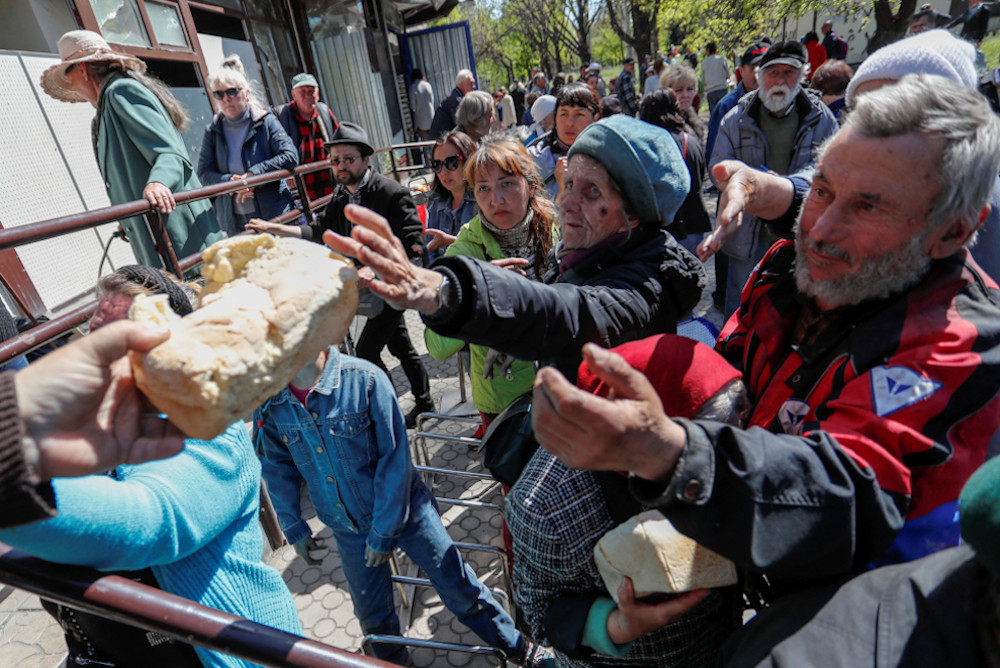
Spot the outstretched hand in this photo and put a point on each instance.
(628, 431)
(439, 238)
(633, 619)
(744, 191)
(399, 282)
(81, 410)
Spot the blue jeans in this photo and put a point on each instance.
(714, 97)
(427, 543)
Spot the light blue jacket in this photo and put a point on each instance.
(349, 445)
(192, 518)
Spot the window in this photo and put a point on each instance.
(120, 22)
(166, 23)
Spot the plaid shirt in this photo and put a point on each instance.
(311, 149)
(556, 516)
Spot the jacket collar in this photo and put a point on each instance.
(328, 381)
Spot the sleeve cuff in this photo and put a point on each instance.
(691, 483)
(296, 532)
(782, 225)
(595, 633)
(23, 497)
(380, 543)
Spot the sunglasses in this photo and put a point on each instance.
(221, 95)
(450, 163)
(350, 160)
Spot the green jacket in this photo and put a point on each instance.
(136, 144)
(489, 396)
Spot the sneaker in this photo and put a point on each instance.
(421, 407)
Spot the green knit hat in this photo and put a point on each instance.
(979, 513)
(643, 159)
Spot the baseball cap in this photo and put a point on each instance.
(628, 61)
(785, 53)
(753, 54)
(304, 79)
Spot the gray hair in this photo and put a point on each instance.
(933, 105)
(178, 114)
(475, 107)
(729, 405)
(463, 75)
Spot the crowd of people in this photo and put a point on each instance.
(835, 444)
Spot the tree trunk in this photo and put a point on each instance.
(890, 26)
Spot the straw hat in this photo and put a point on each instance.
(82, 46)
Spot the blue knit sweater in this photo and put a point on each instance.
(192, 518)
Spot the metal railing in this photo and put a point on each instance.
(48, 229)
(136, 604)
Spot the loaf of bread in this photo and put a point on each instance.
(658, 558)
(269, 306)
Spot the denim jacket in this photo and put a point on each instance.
(349, 444)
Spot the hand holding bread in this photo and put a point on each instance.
(269, 306)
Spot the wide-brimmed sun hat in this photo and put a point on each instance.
(82, 46)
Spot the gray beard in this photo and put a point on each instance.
(874, 278)
(778, 105)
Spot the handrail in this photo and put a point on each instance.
(136, 604)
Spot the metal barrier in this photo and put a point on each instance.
(152, 609)
(47, 229)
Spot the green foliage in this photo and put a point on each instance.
(991, 49)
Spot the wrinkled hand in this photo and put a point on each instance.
(399, 282)
(498, 359)
(81, 409)
(744, 191)
(632, 620)
(159, 196)
(373, 558)
(628, 431)
(306, 546)
(246, 193)
(365, 277)
(439, 238)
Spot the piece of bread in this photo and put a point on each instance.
(658, 558)
(269, 306)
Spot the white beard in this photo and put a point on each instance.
(872, 278)
(777, 98)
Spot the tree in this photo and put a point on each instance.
(641, 15)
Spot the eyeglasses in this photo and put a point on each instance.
(450, 163)
(221, 95)
(348, 161)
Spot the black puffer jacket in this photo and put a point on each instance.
(625, 291)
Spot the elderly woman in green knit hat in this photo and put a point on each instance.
(136, 141)
(617, 276)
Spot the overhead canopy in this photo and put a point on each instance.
(416, 12)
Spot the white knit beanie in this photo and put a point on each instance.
(933, 52)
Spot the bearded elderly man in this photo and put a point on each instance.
(615, 276)
(870, 346)
(777, 128)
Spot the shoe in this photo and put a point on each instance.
(421, 407)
